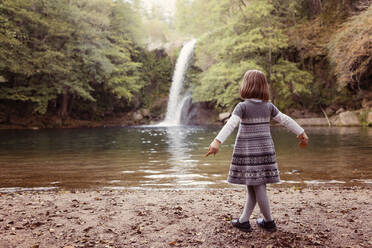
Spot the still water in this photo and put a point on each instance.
(171, 157)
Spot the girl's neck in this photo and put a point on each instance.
(255, 99)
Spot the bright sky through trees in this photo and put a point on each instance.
(168, 6)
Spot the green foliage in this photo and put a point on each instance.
(157, 73)
(238, 36)
(49, 49)
(287, 40)
(221, 83)
(290, 83)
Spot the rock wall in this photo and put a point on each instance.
(199, 113)
(362, 117)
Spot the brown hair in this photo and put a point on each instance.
(254, 85)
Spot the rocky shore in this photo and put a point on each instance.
(340, 118)
(311, 217)
(197, 114)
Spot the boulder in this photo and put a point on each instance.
(198, 113)
(297, 113)
(367, 103)
(334, 107)
(347, 118)
(334, 119)
(308, 114)
(340, 110)
(329, 111)
(312, 121)
(56, 121)
(137, 116)
(223, 116)
(158, 109)
(145, 112)
(369, 118)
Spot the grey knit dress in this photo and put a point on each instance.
(253, 160)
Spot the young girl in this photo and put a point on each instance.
(254, 161)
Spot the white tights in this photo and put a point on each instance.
(256, 194)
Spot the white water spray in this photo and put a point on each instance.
(175, 101)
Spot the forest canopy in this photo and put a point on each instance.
(289, 40)
(89, 59)
(57, 53)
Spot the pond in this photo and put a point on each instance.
(171, 158)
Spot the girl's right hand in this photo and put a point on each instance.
(213, 147)
(304, 140)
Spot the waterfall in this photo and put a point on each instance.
(175, 102)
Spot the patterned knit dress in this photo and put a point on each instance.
(254, 161)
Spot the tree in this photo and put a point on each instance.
(55, 52)
(350, 52)
(241, 35)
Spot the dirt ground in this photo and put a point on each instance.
(311, 217)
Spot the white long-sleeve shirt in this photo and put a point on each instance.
(234, 121)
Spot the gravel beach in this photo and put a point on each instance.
(311, 217)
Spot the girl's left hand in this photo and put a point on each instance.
(213, 147)
(304, 140)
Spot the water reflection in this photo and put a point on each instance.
(178, 148)
(180, 158)
(172, 157)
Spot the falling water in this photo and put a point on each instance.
(175, 102)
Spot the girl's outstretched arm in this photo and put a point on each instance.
(292, 125)
(223, 134)
(289, 123)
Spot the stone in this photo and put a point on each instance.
(369, 118)
(312, 121)
(198, 113)
(329, 111)
(56, 121)
(308, 114)
(335, 120)
(137, 116)
(348, 118)
(223, 116)
(340, 110)
(334, 107)
(145, 112)
(366, 103)
(3, 79)
(296, 113)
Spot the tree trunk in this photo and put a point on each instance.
(269, 75)
(69, 109)
(63, 111)
(315, 6)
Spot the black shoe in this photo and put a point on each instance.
(245, 226)
(267, 225)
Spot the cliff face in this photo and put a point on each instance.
(199, 113)
(334, 44)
